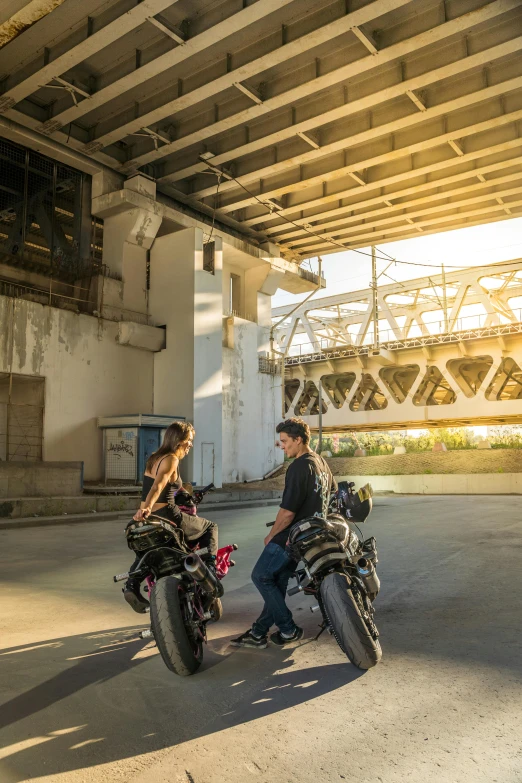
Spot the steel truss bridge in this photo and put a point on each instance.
(447, 350)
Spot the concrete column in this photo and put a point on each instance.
(128, 233)
(188, 302)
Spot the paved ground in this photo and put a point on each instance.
(84, 700)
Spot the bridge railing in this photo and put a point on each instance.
(387, 336)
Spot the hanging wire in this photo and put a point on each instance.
(384, 257)
(216, 196)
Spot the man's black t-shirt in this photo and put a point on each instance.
(308, 484)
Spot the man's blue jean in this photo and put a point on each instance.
(270, 575)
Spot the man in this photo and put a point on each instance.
(307, 493)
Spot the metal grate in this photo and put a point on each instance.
(42, 213)
(21, 417)
(121, 454)
(269, 366)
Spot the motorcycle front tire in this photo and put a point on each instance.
(348, 626)
(181, 654)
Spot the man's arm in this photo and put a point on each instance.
(284, 518)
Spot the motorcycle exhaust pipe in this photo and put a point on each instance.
(368, 574)
(199, 572)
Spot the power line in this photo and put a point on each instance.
(268, 206)
(385, 257)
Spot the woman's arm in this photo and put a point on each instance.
(168, 466)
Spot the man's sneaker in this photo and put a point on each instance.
(131, 593)
(279, 639)
(249, 640)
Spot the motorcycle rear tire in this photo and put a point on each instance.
(349, 628)
(180, 653)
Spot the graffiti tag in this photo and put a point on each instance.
(121, 448)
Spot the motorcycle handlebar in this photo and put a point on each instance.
(270, 524)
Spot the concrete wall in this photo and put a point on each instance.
(188, 373)
(455, 462)
(250, 408)
(443, 484)
(40, 479)
(87, 374)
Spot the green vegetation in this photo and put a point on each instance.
(455, 438)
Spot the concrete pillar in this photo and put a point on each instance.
(128, 234)
(188, 302)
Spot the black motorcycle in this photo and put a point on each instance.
(184, 592)
(339, 571)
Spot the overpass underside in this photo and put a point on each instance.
(447, 352)
(311, 124)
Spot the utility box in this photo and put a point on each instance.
(128, 442)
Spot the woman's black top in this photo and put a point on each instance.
(167, 493)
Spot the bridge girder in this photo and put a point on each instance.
(303, 122)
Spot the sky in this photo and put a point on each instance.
(474, 246)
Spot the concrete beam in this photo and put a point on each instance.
(341, 171)
(148, 338)
(82, 51)
(366, 40)
(391, 180)
(365, 230)
(31, 13)
(390, 209)
(382, 356)
(320, 83)
(292, 49)
(193, 46)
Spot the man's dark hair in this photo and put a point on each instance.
(296, 428)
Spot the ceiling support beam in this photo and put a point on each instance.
(399, 209)
(453, 69)
(249, 92)
(365, 64)
(455, 146)
(396, 194)
(168, 30)
(310, 139)
(248, 70)
(16, 92)
(234, 24)
(363, 229)
(331, 176)
(358, 178)
(416, 100)
(366, 40)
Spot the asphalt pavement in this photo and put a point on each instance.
(84, 699)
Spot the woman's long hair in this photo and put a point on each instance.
(176, 435)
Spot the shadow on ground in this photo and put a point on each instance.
(81, 714)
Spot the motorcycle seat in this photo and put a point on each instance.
(307, 527)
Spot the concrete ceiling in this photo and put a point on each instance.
(361, 121)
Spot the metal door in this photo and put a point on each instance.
(149, 442)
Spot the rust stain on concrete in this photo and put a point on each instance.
(27, 16)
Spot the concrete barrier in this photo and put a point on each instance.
(443, 483)
(40, 479)
(14, 508)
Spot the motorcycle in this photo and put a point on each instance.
(184, 593)
(339, 572)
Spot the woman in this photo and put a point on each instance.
(161, 481)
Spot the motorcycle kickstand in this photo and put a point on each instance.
(322, 629)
